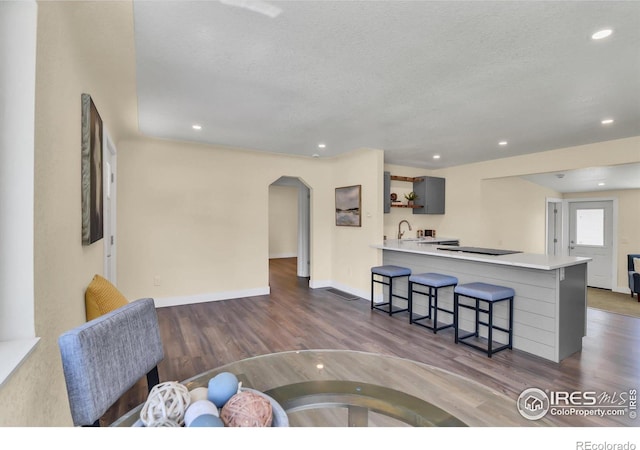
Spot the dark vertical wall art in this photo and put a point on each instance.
(348, 204)
(92, 208)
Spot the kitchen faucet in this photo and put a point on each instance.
(400, 233)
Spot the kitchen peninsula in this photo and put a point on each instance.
(551, 291)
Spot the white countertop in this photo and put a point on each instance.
(425, 240)
(424, 246)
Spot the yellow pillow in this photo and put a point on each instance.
(636, 265)
(101, 297)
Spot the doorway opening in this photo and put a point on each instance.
(290, 223)
(109, 157)
(554, 227)
(591, 232)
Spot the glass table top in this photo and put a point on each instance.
(340, 388)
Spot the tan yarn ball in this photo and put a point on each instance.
(246, 409)
(166, 405)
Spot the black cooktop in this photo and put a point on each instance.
(480, 251)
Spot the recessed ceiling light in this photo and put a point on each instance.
(322, 145)
(502, 143)
(606, 121)
(600, 184)
(436, 156)
(196, 127)
(602, 34)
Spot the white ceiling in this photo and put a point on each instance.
(624, 176)
(414, 78)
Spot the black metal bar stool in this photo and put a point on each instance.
(490, 294)
(388, 272)
(432, 281)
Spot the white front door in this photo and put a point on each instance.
(591, 235)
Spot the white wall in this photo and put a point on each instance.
(283, 221)
(352, 255)
(196, 218)
(81, 47)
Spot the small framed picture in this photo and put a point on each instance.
(348, 204)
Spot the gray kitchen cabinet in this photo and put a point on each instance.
(431, 193)
(387, 192)
(387, 202)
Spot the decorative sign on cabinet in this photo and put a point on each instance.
(430, 190)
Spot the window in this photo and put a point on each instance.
(590, 227)
(18, 20)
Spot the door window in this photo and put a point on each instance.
(590, 227)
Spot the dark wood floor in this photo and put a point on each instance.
(293, 317)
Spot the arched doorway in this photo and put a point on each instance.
(295, 196)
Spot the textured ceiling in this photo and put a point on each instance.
(413, 78)
(624, 176)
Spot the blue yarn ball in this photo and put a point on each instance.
(206, 420)
(221, 388)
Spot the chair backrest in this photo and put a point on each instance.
(103, 358)
(630, 261)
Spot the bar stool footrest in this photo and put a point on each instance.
(415, 318)
(485, 349)
(380, 307)
(468, 335)
(430, 327)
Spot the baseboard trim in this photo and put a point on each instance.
(212, 297)
(229, 295)
(283, 255)
(343, 287)
(351, 290)
(313, 284)
(622, 290)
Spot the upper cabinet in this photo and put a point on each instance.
(387, 192)
(430, 191)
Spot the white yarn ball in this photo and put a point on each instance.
(165, 405)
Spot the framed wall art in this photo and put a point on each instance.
(348, 204)
(92, 208)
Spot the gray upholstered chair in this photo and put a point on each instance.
(105, 357)
(634, 277)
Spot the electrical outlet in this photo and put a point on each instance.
(156, 280)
